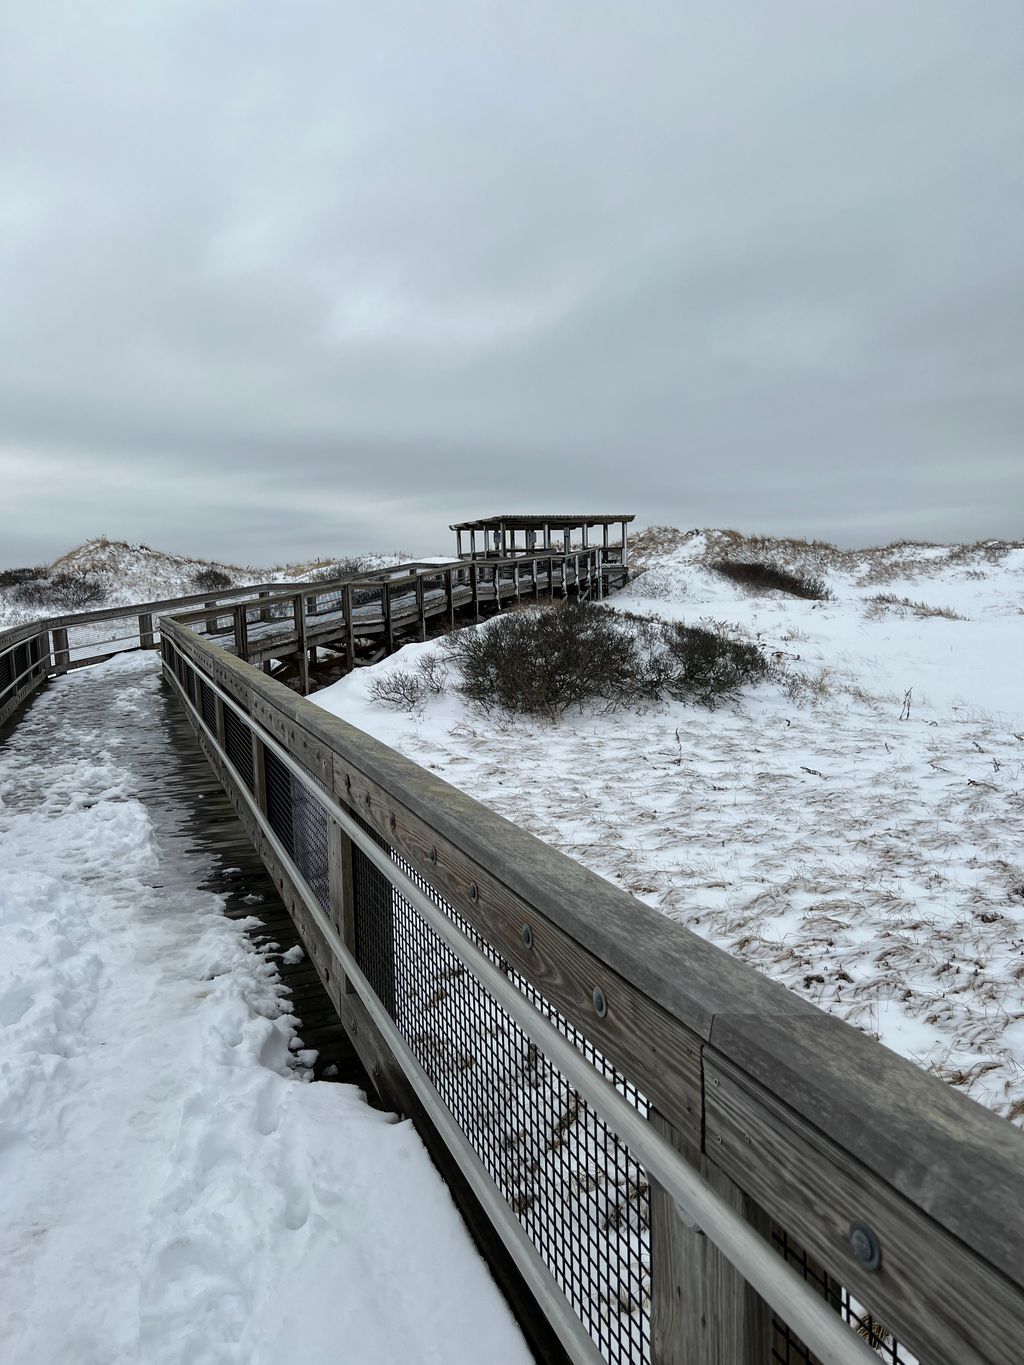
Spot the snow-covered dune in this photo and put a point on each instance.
(853, 829)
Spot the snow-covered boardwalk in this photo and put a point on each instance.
(171, 1189)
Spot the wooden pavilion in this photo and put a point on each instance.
(507, 536)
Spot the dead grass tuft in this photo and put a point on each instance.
(888, 604)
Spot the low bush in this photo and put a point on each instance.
(338, 568)
(707, 665)
(759, 577)
(544, 661)
(16, 578)
(66, 591)
(405, 689)
(75, 591)
(211, 580)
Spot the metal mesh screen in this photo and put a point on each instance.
(310, 841)
(582, 1200)
(237, 743)
(208, 706)
(279, 799)
(788, 1349)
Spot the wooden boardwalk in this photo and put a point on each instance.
(634, 1123)
(319, 632)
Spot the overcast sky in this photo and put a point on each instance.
(310, 276)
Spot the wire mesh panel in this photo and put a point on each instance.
(279, 799)
(7, 674)
(788, 1349)
(310, 840)
(580, 1197)
(237, 744)
(208, 706)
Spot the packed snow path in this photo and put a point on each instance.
(172, 1190)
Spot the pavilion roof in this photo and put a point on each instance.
(520, 521)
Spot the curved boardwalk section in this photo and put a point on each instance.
(172, 1187)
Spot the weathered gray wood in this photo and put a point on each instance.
(702, 1310)
(955, 1166)
(964, 1167)
(241, 633)
(389, 625)
(350, 633)
(342, 910)
(302, 658)
(61, 651)
(147, 640)
(945, 1302)
(449, 593)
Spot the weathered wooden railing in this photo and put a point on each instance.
(36, 650)
(396, 604)
(636, 1125)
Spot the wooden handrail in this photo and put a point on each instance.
(822, 1126)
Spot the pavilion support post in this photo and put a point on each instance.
(472, 544)
(625, 548)
(299, 609)
(547, 536)
(604, 537)
(458, 543)
(702, 1310)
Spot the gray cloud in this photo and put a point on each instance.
(280, 280)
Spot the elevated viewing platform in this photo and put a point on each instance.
(544, 534)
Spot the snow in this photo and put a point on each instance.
(173, 1191)
(868, 862)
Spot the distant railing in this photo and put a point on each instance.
(400, 602)
(32, 652)
(683, 1161)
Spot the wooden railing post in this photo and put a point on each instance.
(241, 633)
(61, 652)
(389, 629)
(421, 606)
(211, 625)
(265, 614)
(147, 640)
(299, 612)
(474, 581)
(450, 596)
(703, 1312)
(347, 607)
(342, 891)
